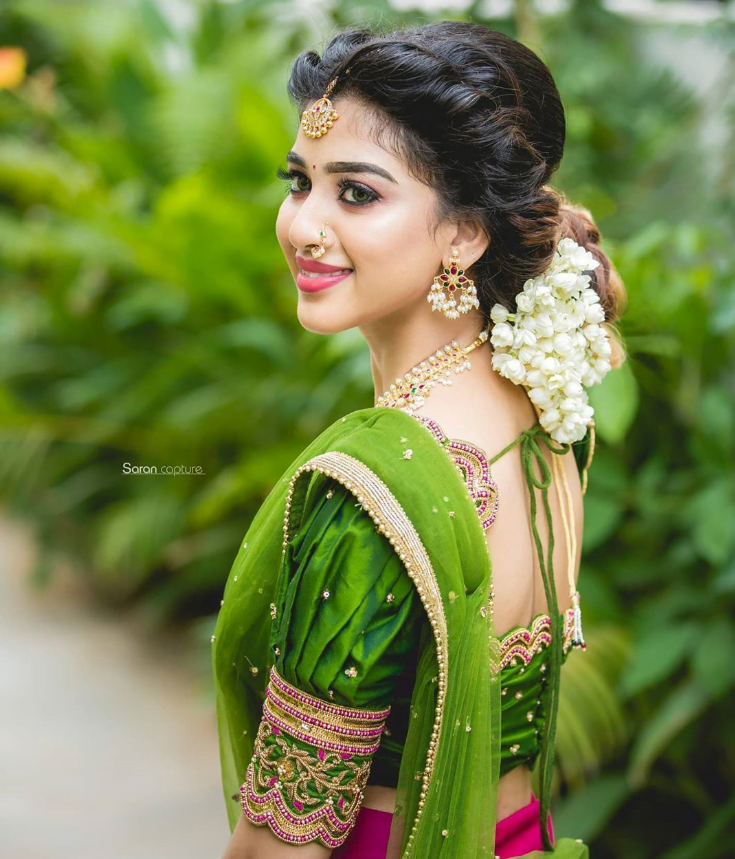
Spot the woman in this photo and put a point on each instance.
(388, 650)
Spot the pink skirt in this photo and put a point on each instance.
(515, 835)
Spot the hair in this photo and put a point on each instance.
(477, 116)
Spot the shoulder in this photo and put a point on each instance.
(373, 422)
(377, 451)
(487, 411)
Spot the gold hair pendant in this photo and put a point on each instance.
(319, 118)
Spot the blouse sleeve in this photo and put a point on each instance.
(346, 625)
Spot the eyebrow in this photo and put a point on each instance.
(345, 166)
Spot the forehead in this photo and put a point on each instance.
(352, 137)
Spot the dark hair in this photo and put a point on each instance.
(476, 115)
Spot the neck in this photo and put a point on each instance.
(398, 343)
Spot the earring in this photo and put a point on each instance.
(453, 279)
(318, 251)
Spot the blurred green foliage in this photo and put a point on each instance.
(147, 318)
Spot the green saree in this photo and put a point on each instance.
(450, 762)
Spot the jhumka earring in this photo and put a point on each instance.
(453, 279)
(319, 249)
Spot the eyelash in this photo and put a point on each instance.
(344, 184)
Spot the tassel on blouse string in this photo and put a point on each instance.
(567, 516)
(530, 451)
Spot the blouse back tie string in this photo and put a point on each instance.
(531, 453)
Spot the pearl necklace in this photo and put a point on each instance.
(410, 392)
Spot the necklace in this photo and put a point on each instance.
(410, 392)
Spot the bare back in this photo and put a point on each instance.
(491, 417)
(491, 412)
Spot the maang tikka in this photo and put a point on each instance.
(454, 280)
(319, 118)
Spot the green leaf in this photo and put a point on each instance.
(713, 659)
(591, 727)
(587, 811)
(615, 401)
(724, 583)
(601, 517)
(679, 709)
(717, 416)
(564, 848)
(664, 345)
(134, 534)
(713, 835)
(649, 238)
(712, 513)
(657, 655)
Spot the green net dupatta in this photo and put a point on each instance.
(447, 784)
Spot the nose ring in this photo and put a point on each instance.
(319, 250)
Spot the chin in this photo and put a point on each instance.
(319, 320)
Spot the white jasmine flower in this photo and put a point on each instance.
(563, 322)
(594, 313)
(515, 371)
(525, 302)
(502, 335)
(534, 378)
(563, 344)
(499, 313)
(555, 381)
(550, 365)
(544, 325)
(525, 355)
(563, 282)
(500, 359)
(523, 337)
(554, 344)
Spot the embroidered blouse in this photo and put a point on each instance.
(344, 637)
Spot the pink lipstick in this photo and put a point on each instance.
(315, 276)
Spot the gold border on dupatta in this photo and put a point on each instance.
(391, 520)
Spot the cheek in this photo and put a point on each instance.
(398, 247)
(283, 225)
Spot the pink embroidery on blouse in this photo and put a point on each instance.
(472, 464)
(523, 643)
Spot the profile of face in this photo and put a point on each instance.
(382, 227)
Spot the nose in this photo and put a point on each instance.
(310, 228)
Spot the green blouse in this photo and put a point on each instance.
(348, 622)
(375, 665)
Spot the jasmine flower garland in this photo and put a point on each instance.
(554, 344)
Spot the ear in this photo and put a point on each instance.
(471, 242)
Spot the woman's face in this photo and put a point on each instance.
(381, 227)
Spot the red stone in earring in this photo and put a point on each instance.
(454, 280)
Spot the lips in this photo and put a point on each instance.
(317, 282)
(319, 267)
(315, 276)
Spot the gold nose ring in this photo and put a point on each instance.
(319, 250)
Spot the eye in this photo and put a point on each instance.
(361, 195)
(290, 176)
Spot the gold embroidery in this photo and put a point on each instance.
(525, 642)
(438, 434)
(311, 761)
(325, 725)
(471, 462)
(324, 788)
(392, 521)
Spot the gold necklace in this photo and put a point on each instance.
(410, 392)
